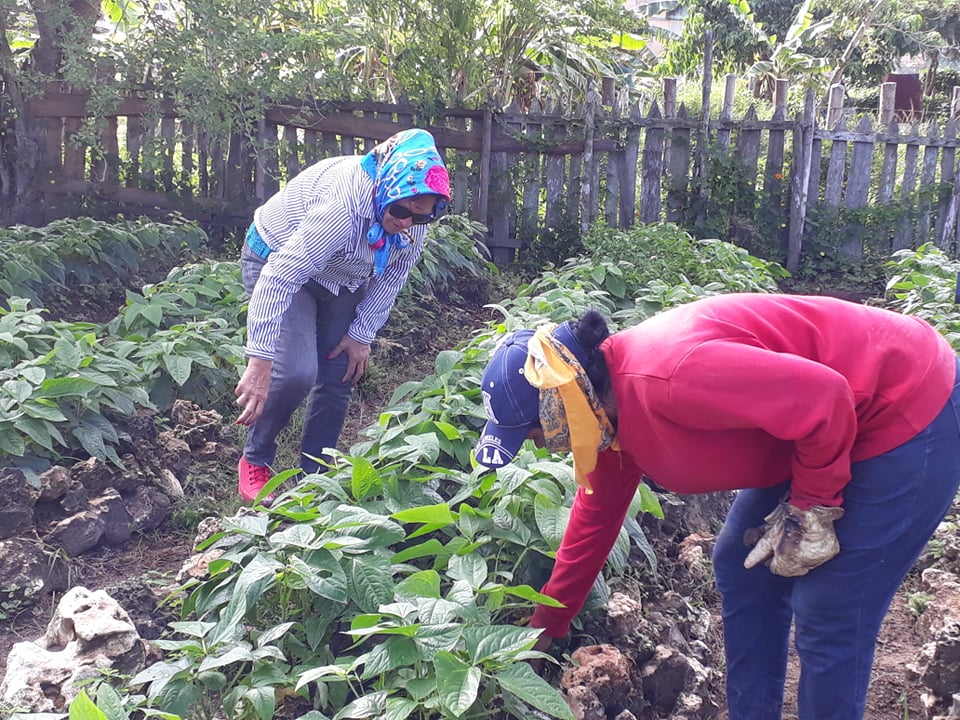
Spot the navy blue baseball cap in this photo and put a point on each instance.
(512, 404)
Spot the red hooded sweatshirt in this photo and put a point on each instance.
(748, 391)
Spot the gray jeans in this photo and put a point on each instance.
(313, 325)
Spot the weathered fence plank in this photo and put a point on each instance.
(928, 173)
(650, 177)
(748, 144)
(836, 167)
(678, 170)
(888, 171)
(773, 168)
(858, 187)
(908, 184)
(628, 169)
(947, 178)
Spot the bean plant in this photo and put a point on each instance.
(40, 263)
(924, 282)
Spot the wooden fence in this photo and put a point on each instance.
(521, 173)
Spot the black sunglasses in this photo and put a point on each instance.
(402, 213)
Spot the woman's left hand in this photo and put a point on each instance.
(358, 355)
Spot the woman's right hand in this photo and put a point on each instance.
(252, 390)
(542, 645)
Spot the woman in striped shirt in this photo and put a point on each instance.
(323, 263)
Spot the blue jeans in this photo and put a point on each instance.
(893, 505)
(313, 325)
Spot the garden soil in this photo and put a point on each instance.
(136, 573)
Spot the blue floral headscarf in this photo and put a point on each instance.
(402, 166)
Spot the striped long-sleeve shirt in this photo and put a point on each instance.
(316, 228)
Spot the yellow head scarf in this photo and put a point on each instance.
(571, 415)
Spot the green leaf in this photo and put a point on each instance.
(425, 583)
(65, 386)
(649, 502)
(371, 581)
(438, 514)
(33, 375)
(497, 642)
(451, 432)
(18, 389)
(253, 580)
(398, 708)
(322, 574)
(458, 684)
(91, 438)
(179, 367)
(446, 361)
(67, 353)
(263, 701)
(299, 535)
(82, 708)
(153, 313)
(551, 520)
(179, 697)
(234, 655)
(394, 652)
(429, 548)
(431, 639)
(44, 410)
(110, 702)
(520, 680)
(38, 431)
(323, 672)
(470, 568)
(368, 706)
(363, 478)
(11, 441)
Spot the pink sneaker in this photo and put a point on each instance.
(252, 479)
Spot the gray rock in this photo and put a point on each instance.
(149, 508)
(89, 632)
(19, 497)
(27, 572)
(77, 533)
(118, 525)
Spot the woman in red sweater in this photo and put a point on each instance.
(836, 421)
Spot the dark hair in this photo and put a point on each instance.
(590, 331)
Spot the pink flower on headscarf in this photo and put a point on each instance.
(438, 181)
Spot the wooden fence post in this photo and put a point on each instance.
(888, 94)
(703, 133)
(652, 170)
(726, 114)
(608, 90)
(484, 191)
(948, 236)
(677, 168)
(773, 167)
(928, 172)
(835, 106)
(612, 190)
(947, 179)
(587, 186)
(800, 179)
(628, 182)
(904, 237)
(858, 188)
(670, 97)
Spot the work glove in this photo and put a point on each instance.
(793, 541)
